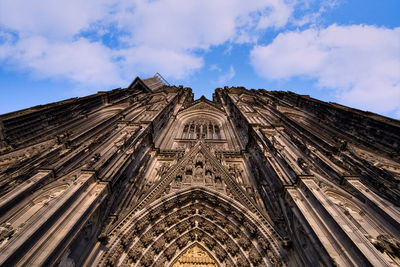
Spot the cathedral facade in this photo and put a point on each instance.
(148, 176)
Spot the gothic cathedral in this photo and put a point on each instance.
(148, 176)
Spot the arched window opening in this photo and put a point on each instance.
(198, 131)
(201, 130)
(217, 132)
(185, 131)
(210, 131)
(191, 135)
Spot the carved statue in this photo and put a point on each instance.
(159, 245)
(236, 172)
(135, 253)
(232, 230)
(254, 256)
(199, 171)
(208, 178)
(182, 241)
(192, 235)
(388, 245)
(221, 236)
(170, 251)
(162, 169)
(241, 262)
(244, 242)
(6, 231)
(187, 179)
(252, 230)
(221, 254)
(208, 213)
(159, 228)
(208, 227)
(148, 258)
(232, 247)
(161, 261)
(171, 234)
(177, 181)
(210, 243)
(147, 239)
(218, 181)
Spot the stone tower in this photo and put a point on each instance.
(146, 176)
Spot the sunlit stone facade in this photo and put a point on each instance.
(148, 176)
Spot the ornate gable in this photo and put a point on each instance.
(203, 104)
(198, 168)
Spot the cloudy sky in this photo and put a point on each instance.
(343, 51)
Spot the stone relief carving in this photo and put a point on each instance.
(368, 227)
(200, 222)
(162, 169)
(388, 245)
(148, 258)
(6, 232)
(159, 245)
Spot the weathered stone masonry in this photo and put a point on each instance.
(148, 176)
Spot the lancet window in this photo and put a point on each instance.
(201, 130)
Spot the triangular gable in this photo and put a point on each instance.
(195, 256)
(203, 103)
(151, 84)
(212, 175)
(137, 83)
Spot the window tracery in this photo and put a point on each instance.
(201, 129)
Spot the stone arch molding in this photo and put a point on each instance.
(225, 229)
(201, 112)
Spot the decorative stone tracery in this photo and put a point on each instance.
(201, 129)
(194, 217)
(146, 176)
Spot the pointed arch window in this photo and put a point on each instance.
(217, 132)
(201, 130)
(185, 131)
(210, 131)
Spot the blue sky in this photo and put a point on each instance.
(343, 51)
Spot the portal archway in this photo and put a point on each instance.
(231, 234)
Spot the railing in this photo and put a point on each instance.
(158, 75)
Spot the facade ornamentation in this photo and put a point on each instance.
(148, 176)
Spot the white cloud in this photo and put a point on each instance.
(313, 17)
(81, 61)
(214, 67)
(94, 64)
(277, 15)
(222, 79)
(193, 24)
(53, 19)
(170, 63)
(362, 63)
(66, 39)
